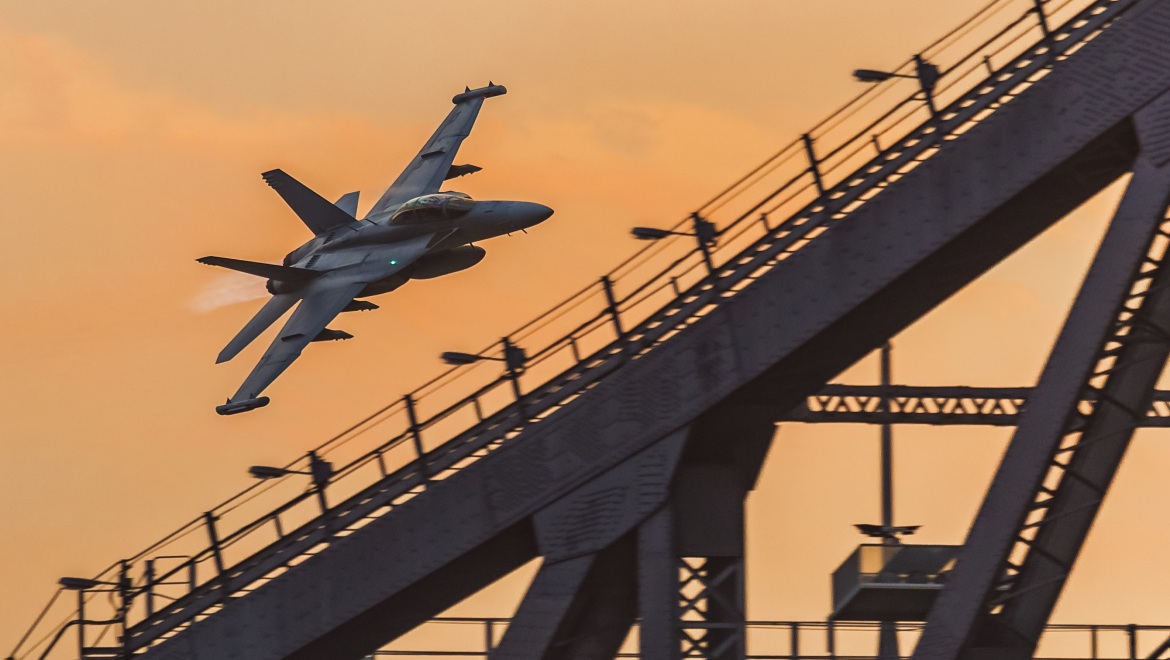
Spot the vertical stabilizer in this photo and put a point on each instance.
(348, 203)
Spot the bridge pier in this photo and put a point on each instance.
(691, 571)
(690, 597)
(659, 538)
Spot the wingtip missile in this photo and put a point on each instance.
(244, 405)
(491, 90)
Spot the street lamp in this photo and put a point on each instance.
(703, 230)
(925, 73)
(514, 359)
(653, 233)
(82, 584)
(872, 76)
(456, 359)
(267, 472)
(321, 471)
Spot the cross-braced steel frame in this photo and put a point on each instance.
(1064, 455)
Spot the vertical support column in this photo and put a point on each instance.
(705, 234)
(514, 361)
(691, 569)
(658, 636)
(80, 623)
(416, 437)
(928, 75)
(148, 579)
(887, 630)
(814, 166)
(320, 471)
(712, 621)
(1042, 17)
(213, 537)
(611, 303)
(125, 600)
(887, 447)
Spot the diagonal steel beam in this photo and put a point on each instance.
(546, 608)
(1101, 349)
(575, 609)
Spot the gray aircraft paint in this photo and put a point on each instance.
(413, 231)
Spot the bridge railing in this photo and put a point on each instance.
(466, 412)
(468, 637)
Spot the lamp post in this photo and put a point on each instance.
(321, 471)
(513, 357)
(888, 532)
(85, 585)
(703, 230)
(925, 73)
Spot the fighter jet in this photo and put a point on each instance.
(414, 231)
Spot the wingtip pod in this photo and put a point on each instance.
(483, 92)
(236, 407)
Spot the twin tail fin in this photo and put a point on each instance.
(314, 210)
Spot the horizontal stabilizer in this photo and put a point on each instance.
(360, 306)
(348, 203)
(271, 271)
(314, 210)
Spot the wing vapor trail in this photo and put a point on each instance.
(228, 289)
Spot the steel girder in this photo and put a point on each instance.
(1063, 457)
(576, 609)
(691, 574)
(691, 571)
(681, 569)
(936, 406)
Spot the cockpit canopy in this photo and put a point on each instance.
(429, 208)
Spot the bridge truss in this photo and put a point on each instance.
(622, 451)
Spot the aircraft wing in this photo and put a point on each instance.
(321, 300)
(431, 166)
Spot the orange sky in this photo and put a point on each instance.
(132, 135)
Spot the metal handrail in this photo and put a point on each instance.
(792, 639)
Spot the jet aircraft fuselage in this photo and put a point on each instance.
(350, 245)
(413, 231)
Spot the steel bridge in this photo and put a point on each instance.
(621, 451)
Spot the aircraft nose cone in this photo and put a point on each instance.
(533, 214)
